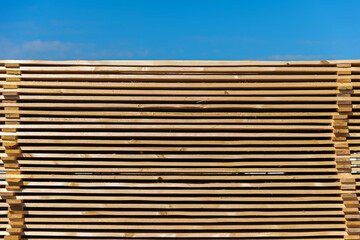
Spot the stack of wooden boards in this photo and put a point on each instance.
(180, 149)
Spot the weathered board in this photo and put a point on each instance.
(180, 149)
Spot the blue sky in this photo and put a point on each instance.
(180, 30)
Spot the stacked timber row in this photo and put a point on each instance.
(342, 150)
(354, 141)
(180, 149)
(12, 152)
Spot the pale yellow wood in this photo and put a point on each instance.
(184, 220)
(184, 191)
(179, 85)
(174, 164)
(182, 206)
(194, 92)
(185, 185)
(174, 177)
(181, 198)
(178, 156)
(190, 69)
(183, 149)
(178, 77)
(165, 106)
(167, 126)
(180, 149)
(172, 114)
(174, 134)
(175, 170)
(68, 120)
(231, 213)
(182, 235)
(197, 99)
(187, 227)
(179, 142)
(267, 238)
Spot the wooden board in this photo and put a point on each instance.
(180, 149)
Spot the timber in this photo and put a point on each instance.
(180, 150)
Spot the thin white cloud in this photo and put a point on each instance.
(328, 42)
(143, 53)
(122, 53)
(219, 39)
(57, 50)
(295, 57)
(39, 49)
(45, 46)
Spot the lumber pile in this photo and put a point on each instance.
(180, 149)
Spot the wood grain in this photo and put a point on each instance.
(180, 149)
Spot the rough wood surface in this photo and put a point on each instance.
(180, 149)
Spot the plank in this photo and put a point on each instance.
(171, 114)
(174, 164)
(173, 77)
(178, 85)
(174, 134)
(175, 170)
(169, 127)
(168, 106)
(182, 235)
(178, 156)
(182, 206)
(111, 69)
(162, 92)
(184, 220)
(183, 185)
(173, 177)
(196, 99)
(34, 120)
(177, 142)
(180, 198)
(232, 213)
(185, 227)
